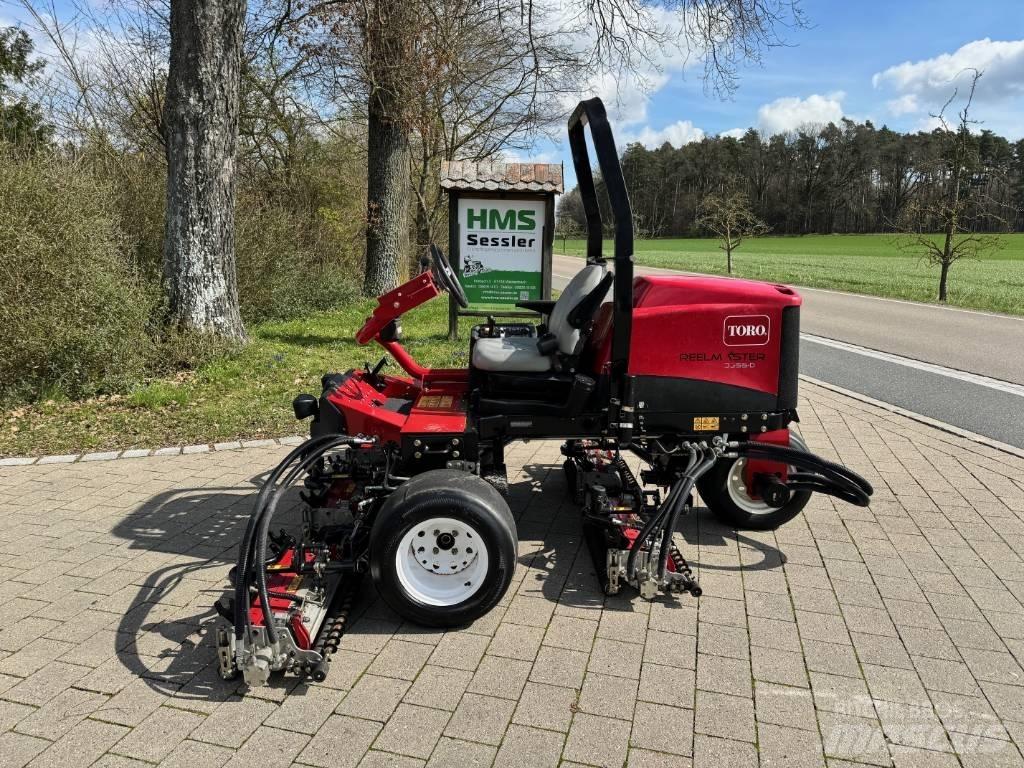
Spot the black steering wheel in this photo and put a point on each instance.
(445, 275)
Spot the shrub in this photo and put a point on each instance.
(74, 315)
(299, 233)
(288, 265)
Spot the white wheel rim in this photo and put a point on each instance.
(737, 488)
(441, 561)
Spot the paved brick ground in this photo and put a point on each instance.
(893, 635)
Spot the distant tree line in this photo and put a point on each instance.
(845, 178)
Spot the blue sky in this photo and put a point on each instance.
(890, 62)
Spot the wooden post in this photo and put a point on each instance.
(455, 259)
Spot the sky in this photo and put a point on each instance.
(889, 61)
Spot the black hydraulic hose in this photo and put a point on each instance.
(830, 478)
(245, 548)
(242, 569)
(259, 561)
(710, 457)
(834, 472)
(651, 527)
(796, 456)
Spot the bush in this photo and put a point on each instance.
(288, 265)
(74, 314)
(299, 233)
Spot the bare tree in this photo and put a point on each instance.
(943, 202)
(566, 227)
(201, 125)
(729, 218)
(386, 55)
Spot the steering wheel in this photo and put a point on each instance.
(445, 275)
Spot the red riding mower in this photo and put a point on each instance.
(404, 476)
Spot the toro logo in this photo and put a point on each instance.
(746, 330)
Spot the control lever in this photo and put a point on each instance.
(374, 375)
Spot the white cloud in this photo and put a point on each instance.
(904, 105)
(791, 112)
(932, 80)
(537, 156)
(677, 134)
(627, 91)
(734, 133)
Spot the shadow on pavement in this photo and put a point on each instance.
(167, 634)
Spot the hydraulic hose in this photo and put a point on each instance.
(245, 548)
(827, 477)
(245, 553)
(651, 527)
(710, 457)
(259, 562)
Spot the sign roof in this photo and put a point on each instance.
(506, 177)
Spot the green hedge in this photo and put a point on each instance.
(74, 314)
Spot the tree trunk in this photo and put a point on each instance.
(728, 259)
(201, 117)
(389, 177)
(943, 273)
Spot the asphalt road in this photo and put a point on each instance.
(961, 367)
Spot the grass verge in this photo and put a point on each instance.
(243, 396)
(870, 264)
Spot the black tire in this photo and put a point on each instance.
(713, 489)
(444, 493)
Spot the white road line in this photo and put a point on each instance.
(952, 373)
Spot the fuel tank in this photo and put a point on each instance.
(714, 345)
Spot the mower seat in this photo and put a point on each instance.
(521, 354)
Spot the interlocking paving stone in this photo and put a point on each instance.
(481, 719)
(892, 635)
(558, 666)
(81, 746)
(546, 706)
(156, 736)
(412, 730)
(525, 747)
(442, 687)
(341, 741)
(499, 677)
(595, 740)
(452, 752)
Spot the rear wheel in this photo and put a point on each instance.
(726, 495)
(443, 548)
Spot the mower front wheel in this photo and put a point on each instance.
(443, 548)
(725, 494)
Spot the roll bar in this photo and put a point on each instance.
(592, 112)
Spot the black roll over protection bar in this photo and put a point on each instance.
(592, 112)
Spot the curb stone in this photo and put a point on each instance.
(291, 440)
(138, 453)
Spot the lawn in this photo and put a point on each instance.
(869, 264)
(247, 395)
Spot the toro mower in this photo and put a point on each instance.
(404, 477)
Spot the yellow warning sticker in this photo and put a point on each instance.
(705, 423)
(436, 402)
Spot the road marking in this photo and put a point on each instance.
(940, 370)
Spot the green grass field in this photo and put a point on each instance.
(247, 395)
(869, 264)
